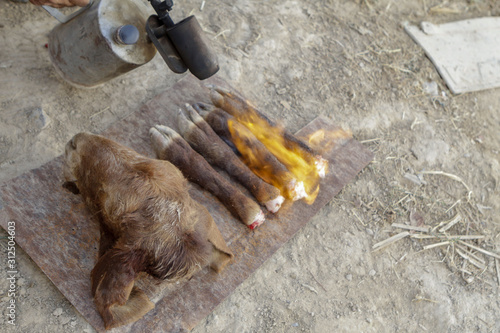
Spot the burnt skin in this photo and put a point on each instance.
(244, 112)
(206, 142)
(258, 158)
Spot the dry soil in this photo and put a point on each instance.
(352, 62)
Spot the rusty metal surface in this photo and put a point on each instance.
(58, 233)
(90, 35)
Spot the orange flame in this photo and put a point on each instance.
(323, 140)
(254, 159)
(299, 162)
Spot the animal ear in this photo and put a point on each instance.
(115, 296)
(221, 254)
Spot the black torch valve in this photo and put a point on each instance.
(162, 9)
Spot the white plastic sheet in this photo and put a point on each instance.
(466, 53)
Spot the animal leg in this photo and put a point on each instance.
(206, 142)
(170, 146)
(115, 296)
(248, 115)
(253, 152)
(107, 240)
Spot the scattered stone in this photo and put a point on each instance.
(281, 91)
(372, 272)
(431, 88)
(369, 231)
(416, 218)
(65, 319)
(286, 105)
(295, 324)
(294, 73)
(364, 31)
(353, 307)
(348, 277)
(38, 118)
(57, 312)
(415, 179)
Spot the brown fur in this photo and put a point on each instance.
(148, 221)
(206, 142)
(266, 166)
(170, 146)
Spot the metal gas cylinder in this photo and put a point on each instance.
(102, 41)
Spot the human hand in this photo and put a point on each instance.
(60, 3)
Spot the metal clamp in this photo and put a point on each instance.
(65, 18)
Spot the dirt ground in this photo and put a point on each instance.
(436, 157)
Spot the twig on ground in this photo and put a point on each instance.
(359, 219)
(409, 227)
(401, 200)
(427, 247)
(468, 252)
(221, 33)
(467, 279)
(456, 245)
(451, 223)
(390, 240)
(370, 140)
(423, 327)
(448, 237)
(310, 288)
(471, 260)
(449, 175)
(399, 69)
(478, 249)
(99, 112)
(498, 271)
(451, 207)
(439, 9)
(316, 280)
(442, 223)
(419, 298)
